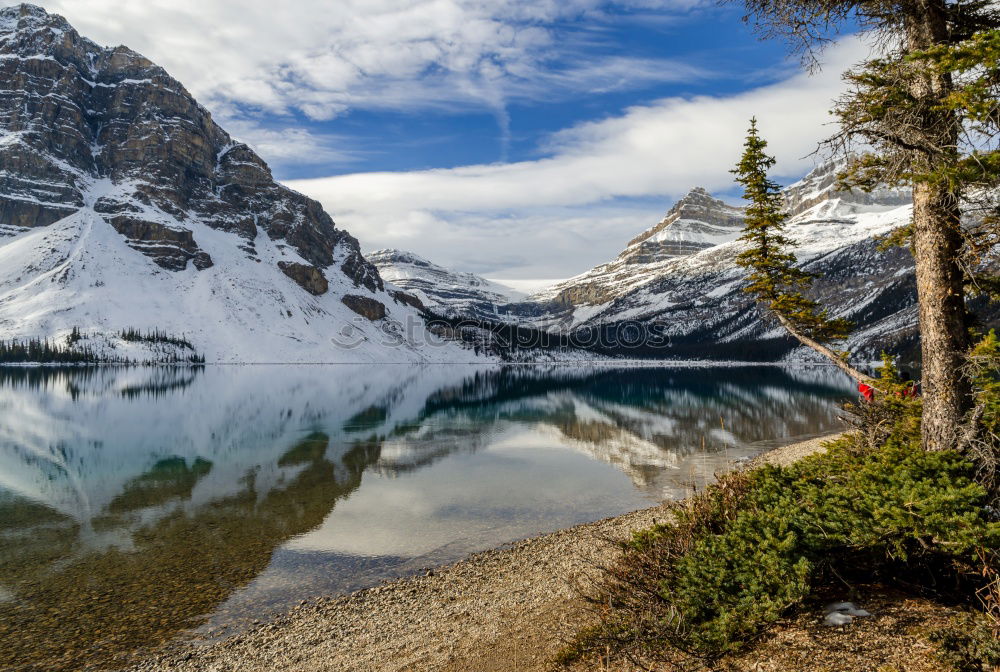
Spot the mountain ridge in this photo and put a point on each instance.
(123, 204)
(678, 280)
(446, 292)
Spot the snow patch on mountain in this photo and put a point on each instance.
(79, 272)
(442, 290)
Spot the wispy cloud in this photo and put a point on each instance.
(576, 207)
(322, 59)
(295, 145)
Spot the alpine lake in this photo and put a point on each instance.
(140, 506)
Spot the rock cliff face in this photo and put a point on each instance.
(368, 308)
(73, 110)
(122, 203)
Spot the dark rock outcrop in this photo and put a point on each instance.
(307, 277)
(367, 307)
(408, 299)
(168, 248)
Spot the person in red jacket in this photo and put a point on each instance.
(867, 391)
(911, 388)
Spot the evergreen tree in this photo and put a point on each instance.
(926, 110)
(774, 280)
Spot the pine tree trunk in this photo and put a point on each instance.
(944, 337)
(827, 352)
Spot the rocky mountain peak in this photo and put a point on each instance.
(132, 144)
(693, 223)
(699, 202)
(28, 19)
(820, 186)
(698, 196)
(392, 255)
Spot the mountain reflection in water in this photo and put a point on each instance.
(137, 504)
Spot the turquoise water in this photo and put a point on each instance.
(137, 505)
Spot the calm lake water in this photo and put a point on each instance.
(140, 505)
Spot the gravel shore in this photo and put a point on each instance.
(508, 609)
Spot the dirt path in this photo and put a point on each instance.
(504, 610)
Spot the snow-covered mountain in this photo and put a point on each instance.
(694, 294)
(679, 284)
(123, 204)
(443, 291)
(696, 222)
(820, 186)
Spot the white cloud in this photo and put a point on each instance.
(564, 213)
(322, 58)
(293, 144)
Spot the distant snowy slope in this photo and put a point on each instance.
(690, 286)
(696, 222)
(820, 187)
(124, 205)
(444, 291)
(680, 278)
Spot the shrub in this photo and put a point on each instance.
(982, 429)
(968, 645)
(742, 553)
(746, 551)
(891, 414)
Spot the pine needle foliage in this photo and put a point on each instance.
(744, 553)
(922, 112)
(885, 111)
(774, 279)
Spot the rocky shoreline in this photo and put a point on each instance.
(511, 608)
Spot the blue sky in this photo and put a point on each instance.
(703, 51)
(516, 139)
